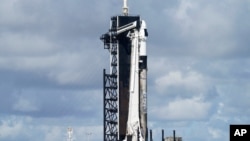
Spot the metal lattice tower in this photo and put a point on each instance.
(110, 88)
(70, 134)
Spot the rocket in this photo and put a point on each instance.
(136, 31)
(137, 115)
(143, 77)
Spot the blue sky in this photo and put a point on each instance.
(51, 62)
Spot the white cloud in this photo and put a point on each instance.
(46, 129)
(182, 13)
(10, 128)
(90, 132)
(13, 127)
(205, 28)
(58, 45)
(182, 109)
(25, 105)
(214, 132)
(63, 67)
(202, 18)
(53, 133)
(25, 44)
(191, 81)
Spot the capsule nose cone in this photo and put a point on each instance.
(143, 29)
(143, 24)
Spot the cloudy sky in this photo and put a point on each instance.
(51, 62)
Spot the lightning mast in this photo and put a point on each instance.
(125, 8)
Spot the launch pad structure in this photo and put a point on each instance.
(116, 84)
(123, 114)
(125, 85)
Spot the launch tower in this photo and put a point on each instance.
(124, 86)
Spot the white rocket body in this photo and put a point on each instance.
(137, 116)
(143, 77)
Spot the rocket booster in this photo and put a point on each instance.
(143, 78)
(137, 115)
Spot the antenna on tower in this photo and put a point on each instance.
(70, 134)
(125, 8)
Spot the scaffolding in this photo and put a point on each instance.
(110, 88)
